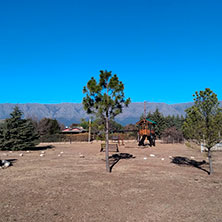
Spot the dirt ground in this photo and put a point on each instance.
(70, 183)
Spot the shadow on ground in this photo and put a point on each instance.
(115, 158)
(37, 148)
(188, 162)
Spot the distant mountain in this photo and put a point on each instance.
(133, 113)
(68, 113)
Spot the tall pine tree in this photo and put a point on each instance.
(106, 100)
(17, 133)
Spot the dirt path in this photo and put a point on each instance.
(69, 183)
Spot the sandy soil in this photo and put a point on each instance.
(74, 185)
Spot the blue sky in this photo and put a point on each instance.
(163, 51)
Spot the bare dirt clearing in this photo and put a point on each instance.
(69, 183)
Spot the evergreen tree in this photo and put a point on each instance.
(174, 121)
(203, 122)
(170, 121)
(160, 122)
(149, 116)
(182, 119)
(177, 122)
(105, 99)
(17, 133)
(164, 123)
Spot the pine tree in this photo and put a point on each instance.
(17, 133)
(203, 122)
(160, 122)
(105, 99)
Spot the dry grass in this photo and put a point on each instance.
(71, 188)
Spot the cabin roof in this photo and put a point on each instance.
(74, 130)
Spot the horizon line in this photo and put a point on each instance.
(81, 103)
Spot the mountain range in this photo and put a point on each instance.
(68, 113)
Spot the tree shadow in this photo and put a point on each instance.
(186, 161)
(38, 148)
(115, 158)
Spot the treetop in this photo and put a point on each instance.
(105, 97)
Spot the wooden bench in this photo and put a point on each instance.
(115, 139)
(113, 147)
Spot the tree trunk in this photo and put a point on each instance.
(210, 161)
(89, 136)
(107, 145)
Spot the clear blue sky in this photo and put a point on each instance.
(163, 51)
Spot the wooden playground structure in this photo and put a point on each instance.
(146, 130)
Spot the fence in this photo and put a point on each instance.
(172, 140)
(217, 147)
(81, 137)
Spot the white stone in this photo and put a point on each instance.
(6, 164)
(42, 154)
(21, 154)
(152, 155)
(145, 158)
(192, 158)
(162, 158)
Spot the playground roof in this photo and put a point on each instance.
(145, 121)
(149, 120)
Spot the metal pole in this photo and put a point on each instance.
(144, 109)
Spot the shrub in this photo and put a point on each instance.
(172, 135)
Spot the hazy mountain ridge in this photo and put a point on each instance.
(68, 113)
